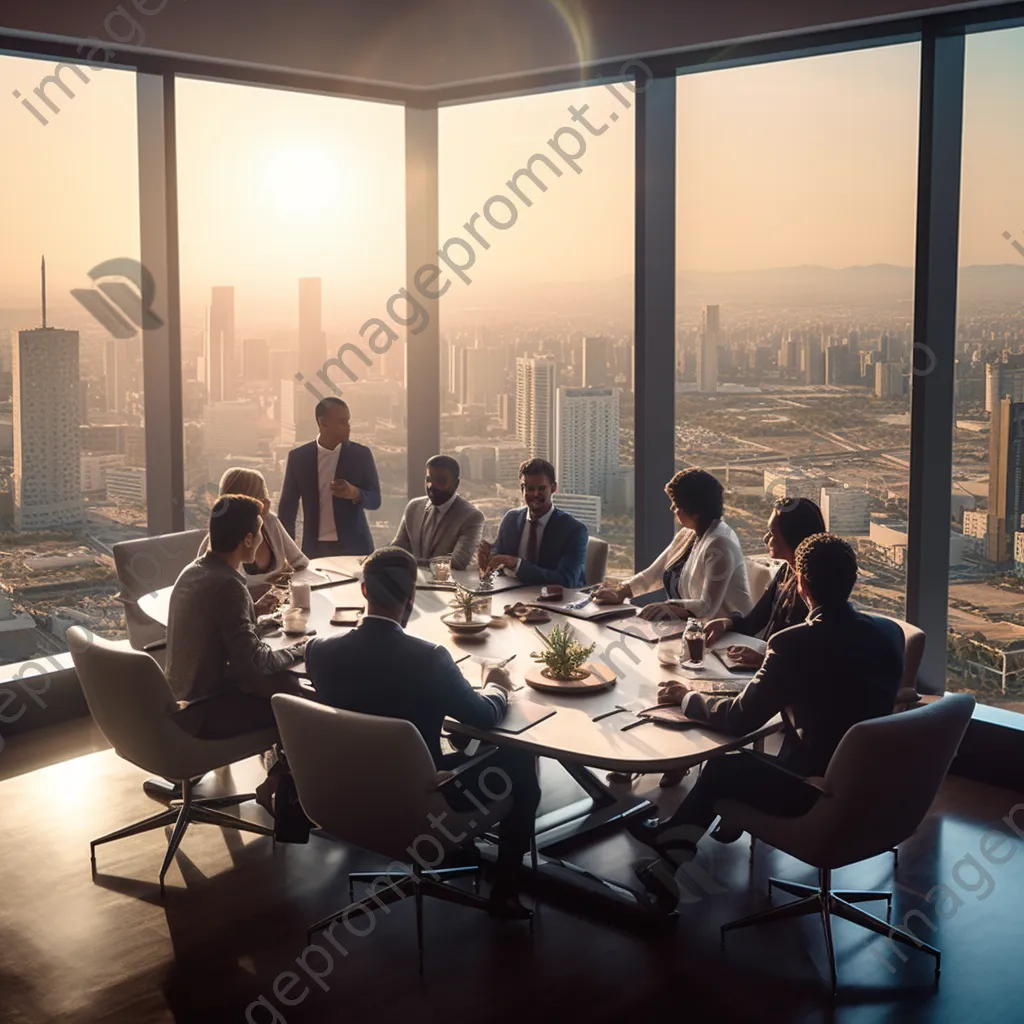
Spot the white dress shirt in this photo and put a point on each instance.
(432, 516)
(524, 540)
(326, 464)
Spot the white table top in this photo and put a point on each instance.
(570, 734)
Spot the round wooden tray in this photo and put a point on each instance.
(600, 678)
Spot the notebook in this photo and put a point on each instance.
(523, 715)
(469, 579)
(727, 640)
(591, 611)
(652, 632)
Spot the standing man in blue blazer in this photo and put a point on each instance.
(336, 481)
(539, 543)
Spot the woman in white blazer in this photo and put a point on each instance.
(702, 571)
(278, 553)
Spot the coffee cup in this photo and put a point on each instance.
(301, 595)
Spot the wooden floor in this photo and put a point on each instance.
(83, 950)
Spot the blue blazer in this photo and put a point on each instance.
(563, 548)
(301, 483)
(379, 669)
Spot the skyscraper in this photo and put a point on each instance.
(312, 340)
(888, 380)
(219, 349)
(47, 492)
(587, 454)
(597, 362)
(1005, 478)
(812, 360)
(707, 350)
(536, 379)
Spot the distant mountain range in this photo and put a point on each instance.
(879, 285)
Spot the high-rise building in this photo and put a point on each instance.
(507, 412)
(1004, 379)
(597, 362)
(312, 340)
(219, 365)
(536, 382)
(483, 377)
(846, 511)
(47, 489)
(812, 360)
(623, 355)
(255, 360)
(888, 380)
(584, 507)
(113, 374)
(312, 353)
(1005, 478)
(707, 350)
(587, 451)
(236, 428)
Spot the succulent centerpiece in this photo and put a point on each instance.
(563, 655)
(462, 601)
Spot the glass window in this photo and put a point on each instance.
(986, 585)
(72, 442)
(795, 246)
(536, 203)
(292, 233)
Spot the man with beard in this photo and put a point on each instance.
(442, 523)
(538, 544)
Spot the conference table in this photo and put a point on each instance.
(587, 731)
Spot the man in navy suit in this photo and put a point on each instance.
(379, 669)
(539, 543)
(336, 481)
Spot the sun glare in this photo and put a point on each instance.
(302, 181)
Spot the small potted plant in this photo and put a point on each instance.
(563, 654)
(463, 601)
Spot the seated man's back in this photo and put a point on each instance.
(838, 668)
(379, 669)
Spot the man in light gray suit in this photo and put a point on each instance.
(442, 523)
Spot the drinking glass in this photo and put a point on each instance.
(441, 568)
(670, 651)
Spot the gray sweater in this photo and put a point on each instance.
(212, 643)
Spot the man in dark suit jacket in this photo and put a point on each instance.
(379, 669)
(826, 674)
(539, 543)
(336, 481)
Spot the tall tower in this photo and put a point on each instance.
(312, 340)
(597, 360)
(1005, 478)
(588, 440)
(220, 366)
(45, 371)
(707, 350)
(536, 379)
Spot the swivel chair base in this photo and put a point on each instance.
(824, 901)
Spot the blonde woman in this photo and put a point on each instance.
(278, 554)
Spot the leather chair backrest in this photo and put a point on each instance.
(365, 779)
(596, 566)
(148, 564)
(870, 811)
(129, 700)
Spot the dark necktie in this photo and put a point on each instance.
(531, 544)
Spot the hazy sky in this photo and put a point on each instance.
(809, 161)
